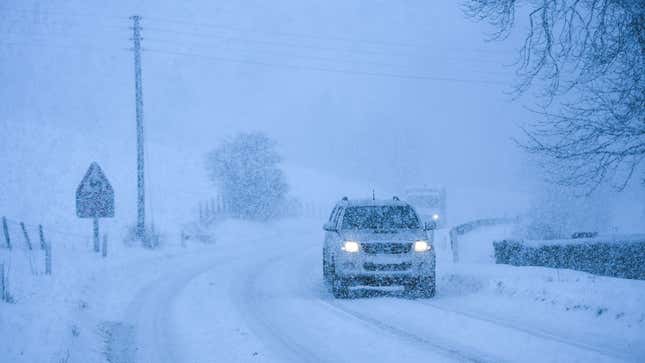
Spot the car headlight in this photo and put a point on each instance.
(350, 246)
(435, 217)
(422, 246)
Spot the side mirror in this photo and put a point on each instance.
(430, 226)
(329, 227)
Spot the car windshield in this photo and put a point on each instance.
(380, 218)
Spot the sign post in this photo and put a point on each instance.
(95, 199)
(96, 234)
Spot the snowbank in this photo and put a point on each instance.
(604, 312)
(47, 320)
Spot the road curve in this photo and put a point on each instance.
(244, 304)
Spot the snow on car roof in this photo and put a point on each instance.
(373, 202)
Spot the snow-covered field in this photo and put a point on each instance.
(257, 294)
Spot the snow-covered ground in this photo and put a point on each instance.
(257, 294)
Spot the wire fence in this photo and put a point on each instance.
(31, 254)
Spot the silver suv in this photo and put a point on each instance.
(378, 243)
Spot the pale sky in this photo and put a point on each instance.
(384, 93)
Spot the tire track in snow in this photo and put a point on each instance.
(526, 330)
(150, 310)
(459, 350)
(461, 354)
(447, 350)
(250, 302)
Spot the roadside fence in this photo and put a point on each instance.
(214, 209)
(27, 253)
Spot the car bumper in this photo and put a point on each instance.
(382, 280)
(359, 269)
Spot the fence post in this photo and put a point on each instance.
(105, 245)
(43, 245)
(2, 285)
(454, 245)
(5, 228)
(24, 231)
(48, 258)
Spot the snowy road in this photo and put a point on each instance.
(264, 300)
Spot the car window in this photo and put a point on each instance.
(380, 217)
(334, 220)
(333, 212)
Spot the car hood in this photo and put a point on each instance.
(367, 236)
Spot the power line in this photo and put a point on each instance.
(267, 42)
(183, 21)
(278, 52)
(81, 47)
(290, 45)
(76, 47)
(59, 34)
(41, 40)
(225, 45)
(272, 43)
(48, 27)
(63, 14)
(210, 46)
(283, 34)
(382, 43)
(284, 44)
(409, 45)
(284, 65)
(325, 69)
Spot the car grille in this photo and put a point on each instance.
(387, 267)
(386, 248)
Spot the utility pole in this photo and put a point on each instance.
(141, 208)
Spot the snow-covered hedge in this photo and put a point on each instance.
(618, 256)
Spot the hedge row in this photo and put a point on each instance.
(625, 259)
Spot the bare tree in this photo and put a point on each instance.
(587, 59)
(247, 170)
